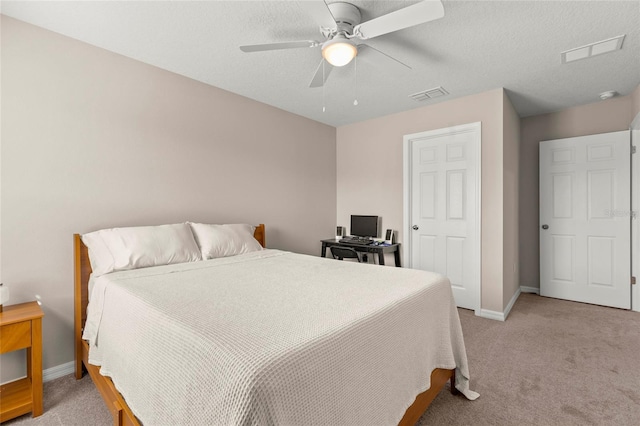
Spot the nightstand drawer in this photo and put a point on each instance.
(15, 336)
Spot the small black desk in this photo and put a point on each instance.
(371, 248)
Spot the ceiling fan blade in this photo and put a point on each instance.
(380, 57)
(320, 12)
(419, 13)
(317, 80)
(279, 46)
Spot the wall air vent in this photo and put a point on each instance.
(593, 49)
(425, 95)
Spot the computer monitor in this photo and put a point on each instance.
(364, 226)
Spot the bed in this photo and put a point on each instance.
(304, 374)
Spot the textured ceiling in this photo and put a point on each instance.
(477, 46)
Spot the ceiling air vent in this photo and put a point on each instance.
(425, 95)
(593, 49)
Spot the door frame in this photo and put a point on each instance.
(635, 206)
(476, 129)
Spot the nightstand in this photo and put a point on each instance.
(21, 328)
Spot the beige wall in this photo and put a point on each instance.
(511, 138)
(91, 139)
(599, 117)
(378, 143)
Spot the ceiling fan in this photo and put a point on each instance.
(340, 26)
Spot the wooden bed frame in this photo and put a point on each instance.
(120, 411)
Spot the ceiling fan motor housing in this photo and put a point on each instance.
(346, 16)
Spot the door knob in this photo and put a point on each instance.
(545, 226)
(415, 227)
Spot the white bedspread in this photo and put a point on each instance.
(274, 338)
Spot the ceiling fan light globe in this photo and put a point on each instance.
(339, 53)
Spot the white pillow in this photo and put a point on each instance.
(100, 256)
(224, 240)
(120, 249)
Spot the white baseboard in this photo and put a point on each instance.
(494, 315)
(534, 290)
(512, 302)
(53, 373)
(58, 371)
(501, 316)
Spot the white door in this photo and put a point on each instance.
(585, 219)
(442, 215)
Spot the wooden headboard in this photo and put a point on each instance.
(82, 271)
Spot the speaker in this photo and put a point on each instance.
(339, 232)
(390, 237)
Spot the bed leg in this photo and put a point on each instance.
(454, 391)
(80, 360)
(79, 371)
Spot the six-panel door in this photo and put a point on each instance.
(444, 208)
(585, 219)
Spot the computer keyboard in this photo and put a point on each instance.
(356, 240)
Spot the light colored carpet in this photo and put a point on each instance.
(68, 402)
(552, 362)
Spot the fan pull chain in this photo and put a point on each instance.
(355, 101)
(323, 81)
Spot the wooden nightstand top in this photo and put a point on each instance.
(21, 312)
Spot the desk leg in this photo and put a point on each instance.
(396, 255)
(324, 250)
(380, 258)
